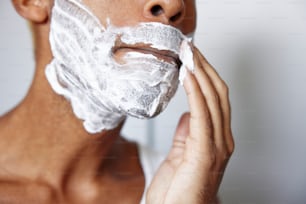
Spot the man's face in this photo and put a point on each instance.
(114, 58)
(180, 14)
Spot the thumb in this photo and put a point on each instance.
(179, 140)
(182, 130)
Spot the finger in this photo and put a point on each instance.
(179, 140)
(174, 158)
(212, 100)
(182, 130)
(222, 90)
(200, 137)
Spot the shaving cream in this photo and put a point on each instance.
(101, 90)
(186, 57)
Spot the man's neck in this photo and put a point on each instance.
(44, 140)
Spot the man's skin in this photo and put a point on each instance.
(46, 156)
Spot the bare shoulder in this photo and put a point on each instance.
(18, 192)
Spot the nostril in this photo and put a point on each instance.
(157, 10)
(176, 17)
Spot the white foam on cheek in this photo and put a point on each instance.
(186, 56)
(101, 91)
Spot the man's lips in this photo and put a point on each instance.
(163, 55)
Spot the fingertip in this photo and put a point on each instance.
(185, 116)
(184, 119)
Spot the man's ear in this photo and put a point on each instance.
(36, 11)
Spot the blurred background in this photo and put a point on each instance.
(259, 48)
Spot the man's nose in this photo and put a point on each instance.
(165, 11)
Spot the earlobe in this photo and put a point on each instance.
(32, 10)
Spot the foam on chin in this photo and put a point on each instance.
(103, 92)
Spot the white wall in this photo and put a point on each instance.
(259, 48)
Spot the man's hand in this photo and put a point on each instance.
(203, 143)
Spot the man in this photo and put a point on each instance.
(98, 61)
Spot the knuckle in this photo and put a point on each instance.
(230, 143)
(178, 144)
(223, 87)
(225, 154)
(231, 147)
(204, 117)
(214, 98)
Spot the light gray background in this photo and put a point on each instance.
(259, 48)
